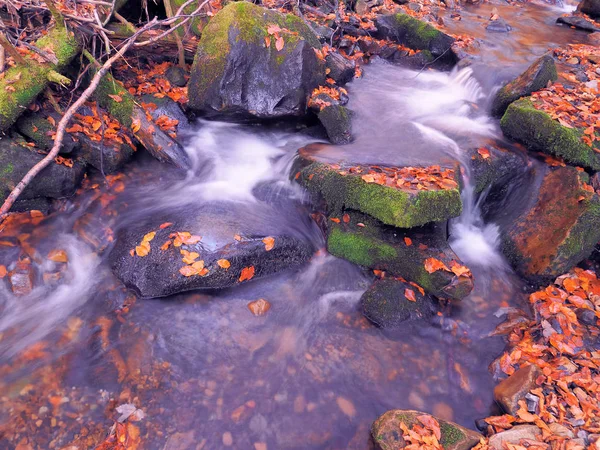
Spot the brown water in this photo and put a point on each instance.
(312, 372)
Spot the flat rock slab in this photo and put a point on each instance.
(387, 433)
(391, 302)
(578, 22)
(253, 62)
(404, 197)
(215, 246)
(539, 132)
(420, 255)
(558, 229)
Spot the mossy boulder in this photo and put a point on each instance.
(557, 230)
(337, 120)
(387, 434)
(55, 181)
(238, 69)
(590, 7)
(416, 34)
(536, 77)
(348, 186)
(539, 132)
(399, 252)
(38, 128)
(390, 302)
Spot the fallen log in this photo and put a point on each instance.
(111, 95)
(22, 83)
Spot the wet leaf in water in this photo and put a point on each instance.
(3, 271)
(346, 406)
(58, 256)
(259, 307)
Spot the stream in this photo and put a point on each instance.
(312, 373)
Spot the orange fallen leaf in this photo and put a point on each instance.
(188, 271)
(407, 241)
(58, 256)
(279, 43)
(410, 295)
(433, 265)
(459, 270)
(136, 124)
(334, 219)
(269, 243)
(3, 271)
(198, 265)
(143, 249)
(223, 263)
(165, 225)
(259, 307)
(237, 237)
(116, 98)
(166, 245)
(346, 218)
(189, 257)
(247, 274)
(432, 424)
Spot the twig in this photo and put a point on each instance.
(62, 125)
(53, 102)
(11, 50)
(180, 49)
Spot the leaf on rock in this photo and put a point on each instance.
(273, 29)
(136, 125)
(247, 274)
(269, 243)
(165, 225)
(433, 265)
(410, 295)
(3, 271)
(188, 271)
(58, 256)
(223, 263)
(432, 424)
(279, 43)
(116, 98)
(189, 257)
(407, 241)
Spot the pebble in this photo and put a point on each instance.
(346, 406)
(260, 446)
(227, 439)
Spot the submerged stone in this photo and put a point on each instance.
(416, 34)
(557, 229)
(253, 62)
(395, 196)
(215, 246)
(387, 433)
(402, 253)
(536, 77)
(390, 302)
(539, 132)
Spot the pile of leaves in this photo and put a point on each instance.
(562, 340)
(424, 434)
(573, 103)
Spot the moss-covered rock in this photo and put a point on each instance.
(36, 127)
(416, 34)
(399, 252)
(390, 302)
(539, 132)
(347, 187)
(387, 433)
(238, 69)
(337, 120)
(558, 230)
(536, 77)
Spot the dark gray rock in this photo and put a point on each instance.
(236, 73)
(337, 121)
(166, 106)
(36, 127)
(55, 181)
(340, 69)
(578, 22)
(107, 156)
(534, 78)
(42, 204)
(387, 303)
(158, 273)
(498, 26)
(590, 7)
(176, 76)
(493, 167)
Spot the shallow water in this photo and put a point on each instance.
(312, 372)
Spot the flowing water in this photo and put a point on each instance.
(312, 372)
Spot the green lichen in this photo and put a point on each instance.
(389, 205)
(419, 34)
(451, 435)
(539, 132)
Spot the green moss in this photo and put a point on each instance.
(419, 34)
(359, 249)
(389, 205)
(122, 110)
(539, 132)
(451, 435)
(7, 170)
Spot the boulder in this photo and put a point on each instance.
(337, 120)
(578, 22)
(387, 433)
(393, 195)
(415, 34)
(533, 79)
(176, 76)
(401, 253)
(167, 107)
(340, 69)
(556, 229)
(509, 391)
(494, 167)
(38, 128)
(255, 63)
(390, 302)
(539, 132)
(55, 181)
(590, 7)
(514, 436)
(222, 245)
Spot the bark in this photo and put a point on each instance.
(22, 83)
(122, 106)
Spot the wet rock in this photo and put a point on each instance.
(21, 278)
(416, 34)
(340, 69)
(41, 204)
(578, 22)
(539, 132)
(176, 76)
(107, 156)
(493, 167)
(169, 108)
(509, 391)
(343, 187)
(533, 79)
(233, 248)
(236, 73)
(36, 127)
(387, 433)
(498, 26)
(363, 6)
(514, 436)
(389, 303)
(55, 181)
(590, 7)
(557, 228)
(337, 121)
(365, 241)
